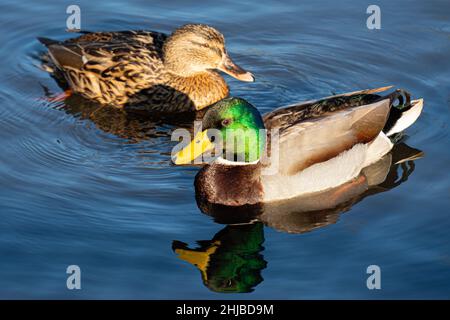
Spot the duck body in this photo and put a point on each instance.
(146, 69)
(318, 145)
(308, 212)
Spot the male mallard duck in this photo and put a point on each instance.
(167, 73)
(321, 144)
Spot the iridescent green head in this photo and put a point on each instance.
(241, 128)
(233, 125)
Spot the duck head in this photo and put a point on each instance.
(232, 126)
(197, 48)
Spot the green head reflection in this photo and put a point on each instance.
(230, 262)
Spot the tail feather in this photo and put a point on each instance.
(404, 113)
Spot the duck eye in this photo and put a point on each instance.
(226, 122)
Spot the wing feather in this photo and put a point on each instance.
(110, 65)
(319, 138)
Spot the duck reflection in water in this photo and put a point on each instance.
(132, 124)
(231, 261)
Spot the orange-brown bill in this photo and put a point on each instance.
(229, 67)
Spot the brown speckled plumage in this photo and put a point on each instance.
(146, 69)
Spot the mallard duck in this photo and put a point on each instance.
(295, 150)
(232, 260)
(173, 73)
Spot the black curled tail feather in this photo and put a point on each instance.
(403, 99)
(402, 96)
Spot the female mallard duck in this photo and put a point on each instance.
(167, 73)
(310, 147)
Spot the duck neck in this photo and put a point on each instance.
(202, 88)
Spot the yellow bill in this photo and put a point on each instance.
(199, 145)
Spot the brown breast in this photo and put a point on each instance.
(231, 185)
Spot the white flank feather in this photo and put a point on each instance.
(328, 174)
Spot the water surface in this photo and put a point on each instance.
(85, 187)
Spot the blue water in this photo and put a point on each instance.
(78, 186)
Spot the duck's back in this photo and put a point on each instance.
(109, 67)
(316, 131)
(154, 40)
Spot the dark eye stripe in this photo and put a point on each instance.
(200, 44)
(217, 50)
(205, 45)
